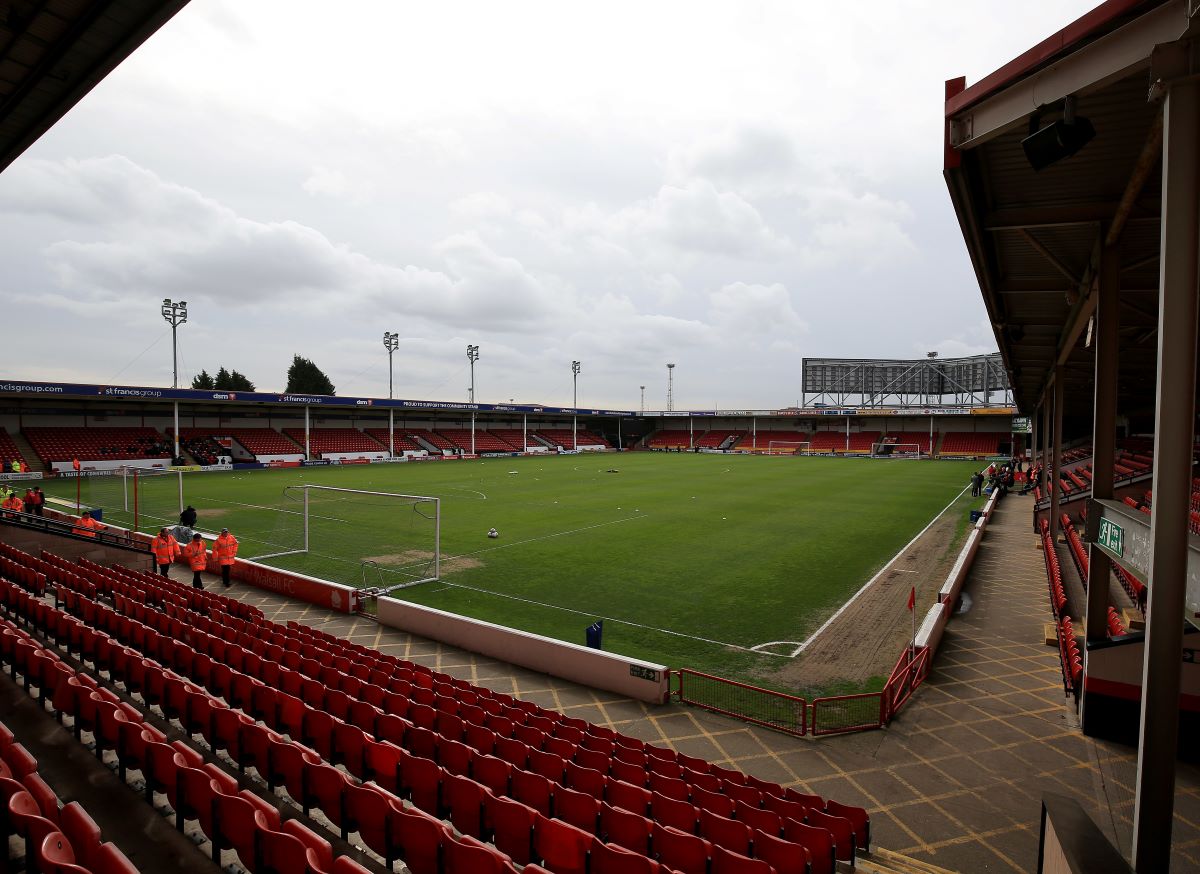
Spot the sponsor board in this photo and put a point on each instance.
(316, 462)
(13, 477)
(249, 465)
(282, 464)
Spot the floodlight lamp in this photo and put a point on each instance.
(1060, 139)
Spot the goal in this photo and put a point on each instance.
(137, 498)
(381, 541)
(895, 450)
(787, 447)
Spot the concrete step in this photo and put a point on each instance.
(31, 457)
(881, 861)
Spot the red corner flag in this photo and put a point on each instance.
(912, 598)
(75, 464)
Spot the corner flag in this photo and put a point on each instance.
(912, 598)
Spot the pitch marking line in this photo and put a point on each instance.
(278, 510)
(803, 646)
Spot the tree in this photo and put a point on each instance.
(304, 377)
(227, 380)
(239, 382)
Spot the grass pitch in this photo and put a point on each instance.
(691, 560)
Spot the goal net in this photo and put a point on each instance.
(787, 447)
(895, 450)
(372, 540)
(139, 498)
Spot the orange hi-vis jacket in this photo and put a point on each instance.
(15, 504)
(196, 555)
(87, 527)
(225, 549)
(165, 549)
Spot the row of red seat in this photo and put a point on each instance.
(818, 813)
(1068, 652)
(526, 829)
(97, 444)
(10, 453)
(526, 766)
(1115, 626)
(58, 838)
(1058, 596)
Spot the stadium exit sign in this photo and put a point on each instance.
(1112, 536)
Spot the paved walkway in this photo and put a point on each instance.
(956, 780)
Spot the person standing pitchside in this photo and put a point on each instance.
(166, 549)
(225, 551)
(197, 557)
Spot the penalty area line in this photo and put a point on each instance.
(808, 642)
(606, 618)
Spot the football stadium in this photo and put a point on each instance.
(934, 614)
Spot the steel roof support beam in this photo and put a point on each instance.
(1154, 802)
(1104, 437)
(1084, 71)
(1060, 391)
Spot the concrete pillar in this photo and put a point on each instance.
(1154, 802)
(1104, 430)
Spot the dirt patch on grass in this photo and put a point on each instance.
(865, 641)
(416, 557)
(212, 513)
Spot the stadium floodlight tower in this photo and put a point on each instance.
(575, 404)
(391, 342)
(643, 400)
(670, 387)
(472, 356)
(175, 313)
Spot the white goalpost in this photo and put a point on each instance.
(135, 497)
(895, 450)
(787, 447)
(377, 541)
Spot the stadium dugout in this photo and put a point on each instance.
(1074, 171)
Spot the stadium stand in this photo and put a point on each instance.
(266, 441)
(716, 439)
(835, 441)
(970, 443)
(562, 437)
(922, 440)
(400, 439)
(97, 444)
(515, 437)
(310, 715)
(764, 438)
(669, 438)
(10, 453)
(433, 438)
(485, 441)
(322, 440)
(201, 444)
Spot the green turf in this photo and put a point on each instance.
(690, 559)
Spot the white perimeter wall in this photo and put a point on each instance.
(589, 667)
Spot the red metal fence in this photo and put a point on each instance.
(834, 714)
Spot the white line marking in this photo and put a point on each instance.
(607, 618)
(763, 646)
(904, 570)
(278, 510)
(871, 581)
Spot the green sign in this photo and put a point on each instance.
(1112, 536)
(1021, 425)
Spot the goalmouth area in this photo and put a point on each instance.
(691, 560)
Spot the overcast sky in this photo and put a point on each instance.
(728, 186)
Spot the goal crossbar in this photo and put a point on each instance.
(306, 514)
(787, 447)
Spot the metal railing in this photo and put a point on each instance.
(777, 710)
(117, 537)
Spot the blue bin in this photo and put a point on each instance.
(97, 513)
(975, 516)
(595, 632)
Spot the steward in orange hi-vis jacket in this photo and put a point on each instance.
(166, 550)
(225, 551)
(197, 557)
(87, 526)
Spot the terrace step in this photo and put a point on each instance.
(31, 458)
(881, 861)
